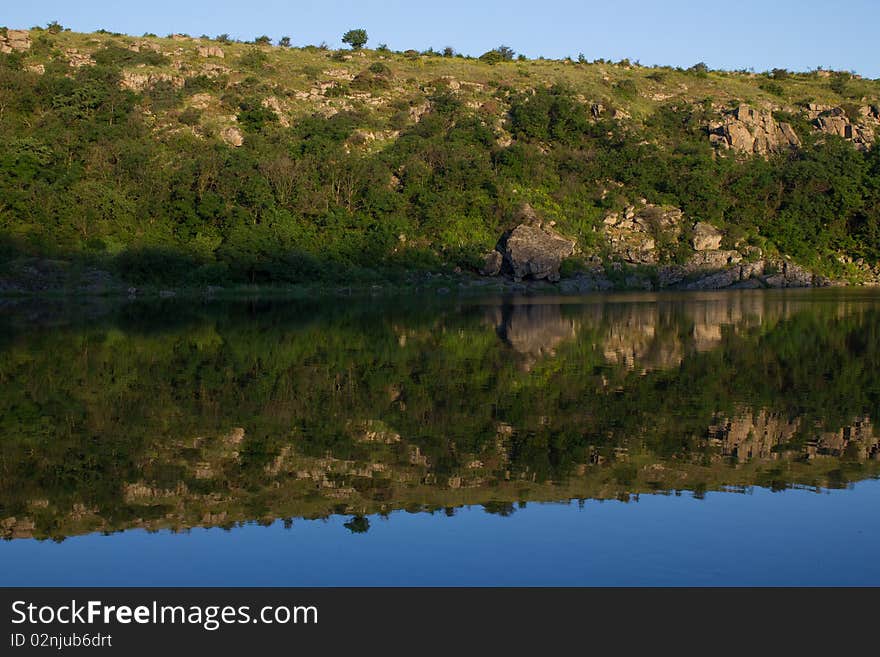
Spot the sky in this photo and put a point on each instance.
(746, 34)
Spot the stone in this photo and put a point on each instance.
(716, 281)
(531, 251)
(706, 237)
(834, 121)
(211, 51)
(272, 103)
(141, 81)
(747, 130)
(15, 41)
(492, 262)
(633, 237)
(715, 259)
(232, 136)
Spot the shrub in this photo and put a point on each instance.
(253, 59)
(190, 116)
(380, 69)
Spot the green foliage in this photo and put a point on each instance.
(379, 68)
(190, 116)
(117, 56)
(700, 69)
(357, 39)
(550, 114)
(254, 59)
(499, 54)
(85, 174)
(90, 407)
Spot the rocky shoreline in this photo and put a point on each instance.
(648, 247)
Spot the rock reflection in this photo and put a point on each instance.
(257, 415)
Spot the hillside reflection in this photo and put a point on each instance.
(225, 414)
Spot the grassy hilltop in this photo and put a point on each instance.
(186, 161)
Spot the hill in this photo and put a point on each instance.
(191, 162)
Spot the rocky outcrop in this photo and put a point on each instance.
(758, 274)
(632, 239)
(210, 51)
(15, 41)
(834, 121)
(706, 237)
(747, 130)
(141, 81)
(632, 235)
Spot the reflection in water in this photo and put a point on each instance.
(227, 414)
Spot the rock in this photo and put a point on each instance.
(834, 121)
(232, 136)
(706, 237)
(167, 294)
(492, 262)
(532, 331)
(747, 130)
(633, 237)
(15, 41)
(141, 81)
(531, 251)
(716, 281)
(211, 51)
(748, 284)
(715, 259)
(273, 104)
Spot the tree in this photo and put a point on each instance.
(506, 52)
(500, 54)
(357, 39)
(262, 40)
(701, 69)
(284, 42)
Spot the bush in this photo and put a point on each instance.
(380, 69)
(253, 59)
(190, 116)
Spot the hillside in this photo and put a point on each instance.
(191, 162)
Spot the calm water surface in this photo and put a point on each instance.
(717, 438)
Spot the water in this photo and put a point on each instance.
(698, 439)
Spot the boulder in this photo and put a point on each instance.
(492, 262)
(531, 251)
(706, 237)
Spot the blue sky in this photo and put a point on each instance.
(756, 34)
